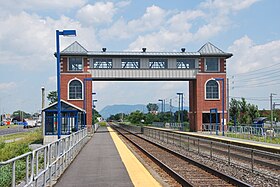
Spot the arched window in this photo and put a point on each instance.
(212, 89)
(75, 90)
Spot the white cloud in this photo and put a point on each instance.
(7, 86)
(122, 4)
(248, 56)
(30, 40)
(226, 7)
(151, 20)
(35, 5)
(100, 12)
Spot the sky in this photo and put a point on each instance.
(249, 29)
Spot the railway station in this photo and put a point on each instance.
(205, 70)
(118, 154)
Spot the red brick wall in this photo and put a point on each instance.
(66, 77)
(198, 103)
(222, 65)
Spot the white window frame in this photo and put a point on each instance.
(219, 91)
(211, 71)
(68, 64)
(68, 90)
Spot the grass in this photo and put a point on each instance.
(102, 123)
(13, 136)
(8, 126)
(13, 149)
(273, 140)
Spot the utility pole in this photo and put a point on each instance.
(228, 98)
(42, 113)
(170, 105)
(180, 107)
(179, 112)
(160, 100)
(271, 109)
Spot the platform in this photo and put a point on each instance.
(275, 148)
(106, 161)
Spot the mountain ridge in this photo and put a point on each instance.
(127, 109)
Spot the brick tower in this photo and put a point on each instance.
(76, 85)
(206, 91)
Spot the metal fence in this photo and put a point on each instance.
(269, 135)
(131, 128)
(44, 165)
(251, 159)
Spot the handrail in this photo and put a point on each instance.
(45, 164)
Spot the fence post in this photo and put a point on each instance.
(229, 154)
(211, 149)
(27, 169)
(188, 143)
(14, 174)
(252, 160)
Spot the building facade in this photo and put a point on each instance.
(79, 67)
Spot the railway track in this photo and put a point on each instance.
(263, 162)
(184, 170)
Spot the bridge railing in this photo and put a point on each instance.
(44, 165)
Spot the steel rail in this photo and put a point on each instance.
(177, 177)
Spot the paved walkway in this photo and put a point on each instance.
(98, 164)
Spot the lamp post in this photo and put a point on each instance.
(223, 103)
(271, 109)
(60, 33)
(180, 107)
(93, 106)
(160, 100)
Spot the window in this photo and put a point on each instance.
(158, 63)
(212, 89)
(101, 64)
(131, 63)
(211, 64)
(75, 64)
(186, 63)
(75, 89)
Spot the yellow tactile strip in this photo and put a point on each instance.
(138, 174)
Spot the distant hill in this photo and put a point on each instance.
(127, 109)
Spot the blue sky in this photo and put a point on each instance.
(249, 29)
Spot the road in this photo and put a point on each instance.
(15, 129)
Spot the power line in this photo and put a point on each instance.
(255, 85)
(256, 70)
(265, 76)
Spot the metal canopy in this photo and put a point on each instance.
(206, 50)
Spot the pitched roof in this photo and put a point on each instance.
(66, 105)
(207, 49)
(75, 48)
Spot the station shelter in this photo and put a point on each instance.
(72, 120)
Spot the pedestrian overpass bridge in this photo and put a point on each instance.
(203, 68)
(142, 65)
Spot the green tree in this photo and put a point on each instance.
(152, 107)
(184, 115)
(136, 117)
(234, 109)
(52, 97)
(253, 112)
(244, 118)
(150, 118)
(96, 115)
